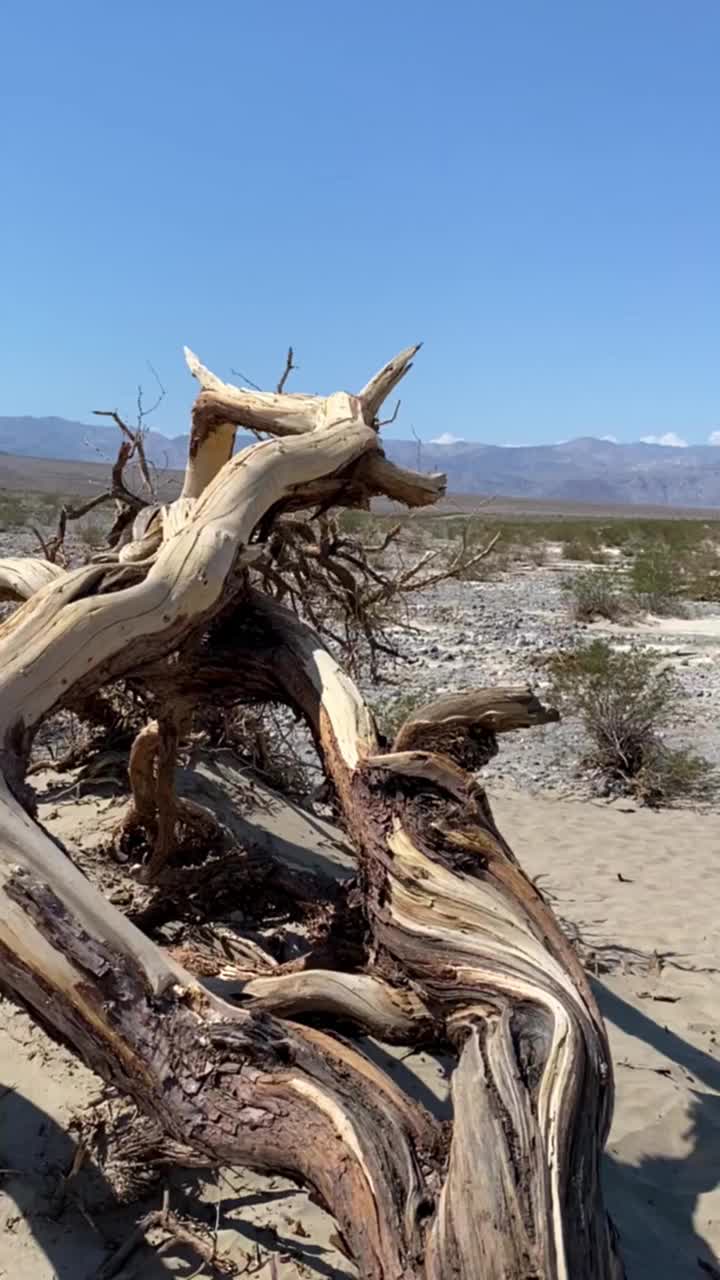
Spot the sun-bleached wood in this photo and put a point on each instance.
(21, 577)
(221, 408)
(459, 943)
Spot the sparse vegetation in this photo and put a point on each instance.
(92, 533)
(392, 712)
(598, 593)
(673, 775)
(21, 507)
(13, 510)
(703, 574)
(576, 549)
(688, 546)
(625, 699)
(585, 545)
(538, 553)
(657, 577)
(351, 521)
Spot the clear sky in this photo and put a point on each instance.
(530, 187)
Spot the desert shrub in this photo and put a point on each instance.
(677, 535)
(583, 549)
(657, 576)
(392, 712)
(484, 570)
(624, 700)
(598, 593)
(353, 521)
(622, 697)
(478, 532)
(499, 561)
(13, 509)
(48, 506)
(702, 578)
(520, 534)
(681, 535)
(585, 546)
(618, 533)
(671, 775)
(538, 553)
(442, 530)
(91, 533)
(662, 574)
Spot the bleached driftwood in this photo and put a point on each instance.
(21, 577)
(459, 946)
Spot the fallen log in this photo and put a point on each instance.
(459, 945)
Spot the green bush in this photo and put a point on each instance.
(91, 533)
(13, 510)
(392, 712)
(624, 700)
(586, 547)
(598, 593)
(350, 521)
(703, 574)
(657, 576)
(538, 553)
(670, 775)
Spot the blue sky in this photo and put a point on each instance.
(530, 188)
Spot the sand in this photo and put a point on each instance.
(653, 943)
(663, 1163)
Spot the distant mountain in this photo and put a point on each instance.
(81, 442)
(583, 470)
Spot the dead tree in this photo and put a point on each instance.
(458, 945)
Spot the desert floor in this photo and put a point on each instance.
(638, 889)
(651, 938)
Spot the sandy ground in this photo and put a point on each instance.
(653, 943)
(663, 1163)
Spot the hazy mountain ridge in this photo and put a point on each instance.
(583, 470)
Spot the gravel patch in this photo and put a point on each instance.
(498, 633)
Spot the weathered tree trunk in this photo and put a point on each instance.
(459, 947)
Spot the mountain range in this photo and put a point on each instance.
(582, 470)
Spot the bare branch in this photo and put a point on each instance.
(43, 544)
(387, 421)
(289, 366)
(119, 422)
(134, 438)
(145, 413)
(377, 390)
(223, 405)
(237, 373)
(412, 488)
(495, 710)
(384, 1011)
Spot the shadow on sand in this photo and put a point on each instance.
(654, 1199)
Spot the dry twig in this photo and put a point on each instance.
(166, 1219)
(289, 366)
